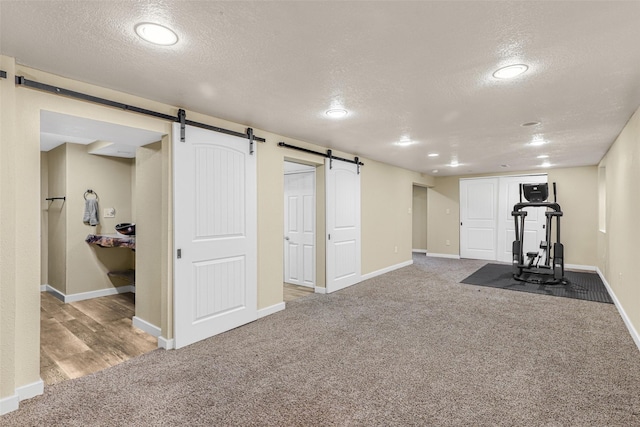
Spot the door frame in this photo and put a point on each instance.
(320, 199)
(312, 171)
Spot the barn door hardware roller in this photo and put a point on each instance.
(250, 136)
(182, 117)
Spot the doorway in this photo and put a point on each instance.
(419, 220)
(299, 224)
(300, 230)
(88, 303)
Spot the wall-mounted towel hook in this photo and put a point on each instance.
(90, 191)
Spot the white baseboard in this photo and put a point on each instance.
(419, 251)
(451, 256)
(11, 403)
(88, 295)
(30, 390)
(373, 274)
(623, 314)
(166, 343)
(580, 267)
(271, 309)
(385, 270)
(320, 290)
(149, 328)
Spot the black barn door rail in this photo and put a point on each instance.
(328, 154)
(180, 118)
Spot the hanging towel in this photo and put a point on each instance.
(91, 212)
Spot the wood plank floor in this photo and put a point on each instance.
(83, 337)
(292, 292)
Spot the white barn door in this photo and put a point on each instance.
(215, 234)
(299, 228)
(343, 224)
(478, 218)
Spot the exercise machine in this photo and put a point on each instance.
(546, 267)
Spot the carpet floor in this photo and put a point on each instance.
(411, 347)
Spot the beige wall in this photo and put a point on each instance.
(619, 251)
(44, 218)
(148, 202)
(56, 253)
(419, 218)
(386, 200)
(443, 218)
(577, 195)
(9, 245)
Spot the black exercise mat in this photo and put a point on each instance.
(584, 286)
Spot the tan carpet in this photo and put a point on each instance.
(412, 347)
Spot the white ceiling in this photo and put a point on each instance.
(110, 139)
(421, 70)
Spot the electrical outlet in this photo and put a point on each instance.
(409, 212)
(448, 211)
(448, 242)
(109, 213)
(395, 249)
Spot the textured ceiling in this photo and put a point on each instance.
(420, 70)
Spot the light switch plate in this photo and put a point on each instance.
(109, 213)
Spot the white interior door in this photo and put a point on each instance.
(343, 224)
(478, 218)
(535, 221)
(215, 234)
(300, 225)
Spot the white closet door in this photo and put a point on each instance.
(215, 234)
(343, 225)
(478, 218)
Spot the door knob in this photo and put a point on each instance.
(286, 238)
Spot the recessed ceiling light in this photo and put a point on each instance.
(545, 165)
(404, 141)
(530, 124)
(433, 154)
(434, 171)
(454, 164)
(156, 34)
(510, 71)
(537, 140)
(543, 156)
(337, 113)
